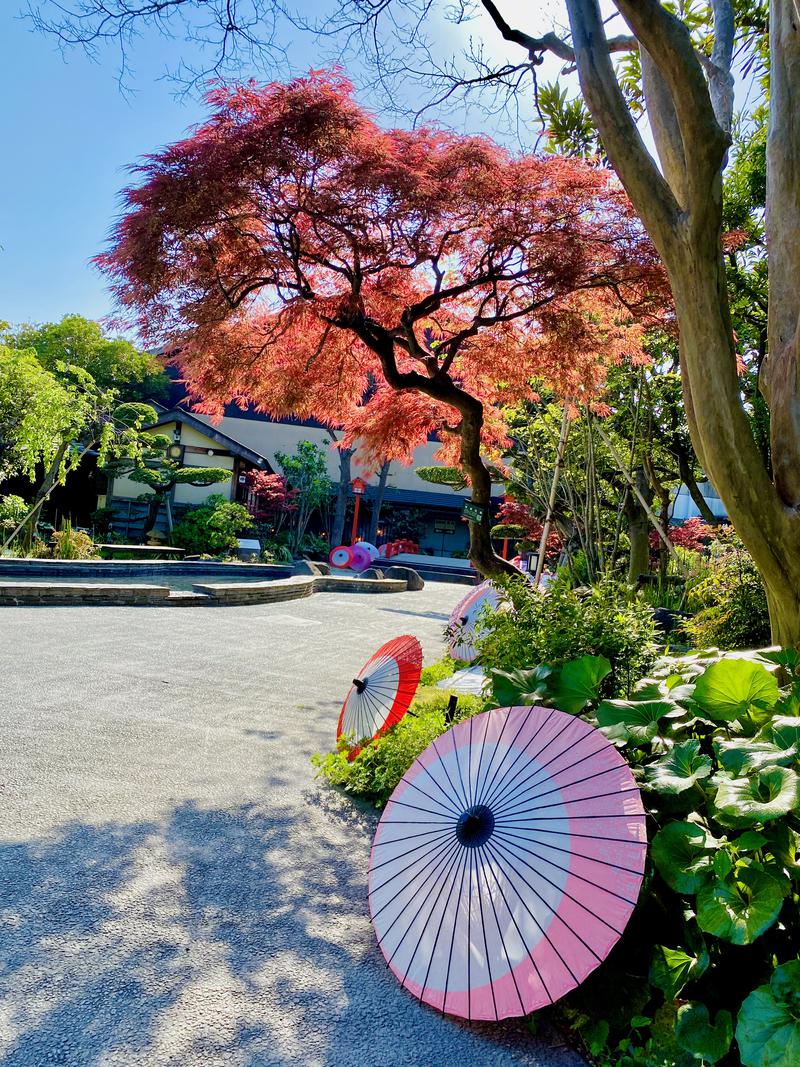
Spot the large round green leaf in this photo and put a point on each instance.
(768, 1028)
(767, 794)
(729, 688)
(578, 683)
(681, 768)
(695, 1032)
(637, 719)
(785, 731)
(743, 755)
(672, 968)
(740, 908)
(682, 853)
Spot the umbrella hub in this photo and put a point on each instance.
(360, 684)
(475, 826)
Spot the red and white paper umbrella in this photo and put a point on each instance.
(465, 624)
(507, 863)
(382, 693)
(340, 556)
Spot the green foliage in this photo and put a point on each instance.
(438, 671)
(730, 601)
(452, 476)
(101, 521)
(381, 763)
(306, 471)
(768, 1030)
(713, 743)
(569, 687)
(213, 527)
(38, 413)
(69, 543)
(563, 624)
(275, 552)
(13, 510)
(113, 362)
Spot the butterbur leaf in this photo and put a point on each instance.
(723, 864)
(512, 688)
(784, 657)
(578, 683)
(730, 688)
(681, 768)
(768, 1027)
(695, 1032)
(785, 731)
(740, 908)
(750, 841)
(682, 853)
(765, 795)
(743, 755)
(672, 968)
(638, 718)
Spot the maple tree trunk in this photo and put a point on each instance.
(481, 551)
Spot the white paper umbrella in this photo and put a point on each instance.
(465, 624)
(507, 862)
(382, 693)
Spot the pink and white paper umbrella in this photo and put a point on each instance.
(507, 863)
(465, 626)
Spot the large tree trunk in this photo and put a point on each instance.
(153, 508)
(681, 208)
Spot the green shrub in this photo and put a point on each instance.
(380, 765)
(730, 601)
(212, 527)
(564, 623)
(13, 510)
(69, 543)
(713, 743)
(438, 671)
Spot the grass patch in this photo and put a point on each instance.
(438, 671)
(381, 763)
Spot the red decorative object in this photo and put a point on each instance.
(383, 690)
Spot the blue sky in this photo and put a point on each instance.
(68, 135)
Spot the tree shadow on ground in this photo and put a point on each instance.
(236, 936)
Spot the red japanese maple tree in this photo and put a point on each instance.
(394, 283)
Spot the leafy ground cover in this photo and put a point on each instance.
(708, 969)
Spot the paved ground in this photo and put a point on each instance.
(175, 888)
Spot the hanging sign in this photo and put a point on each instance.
(474, 512)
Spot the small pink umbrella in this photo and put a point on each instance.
(465, 624)
(507, 863)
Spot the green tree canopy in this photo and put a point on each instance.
(113, 362)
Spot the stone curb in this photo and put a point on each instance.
(208, 594)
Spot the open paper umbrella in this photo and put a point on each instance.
(507, 862)
(381, 694)
(465, 622)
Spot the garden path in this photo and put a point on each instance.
(175, 887)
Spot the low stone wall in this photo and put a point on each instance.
(18, 593)
(210, 595)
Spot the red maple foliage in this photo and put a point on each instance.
(393, 283)
(269, 497)
(693, 534)
(514, 513)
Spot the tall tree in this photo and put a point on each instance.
(411, 282)
(113, 362)
(687, 92)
